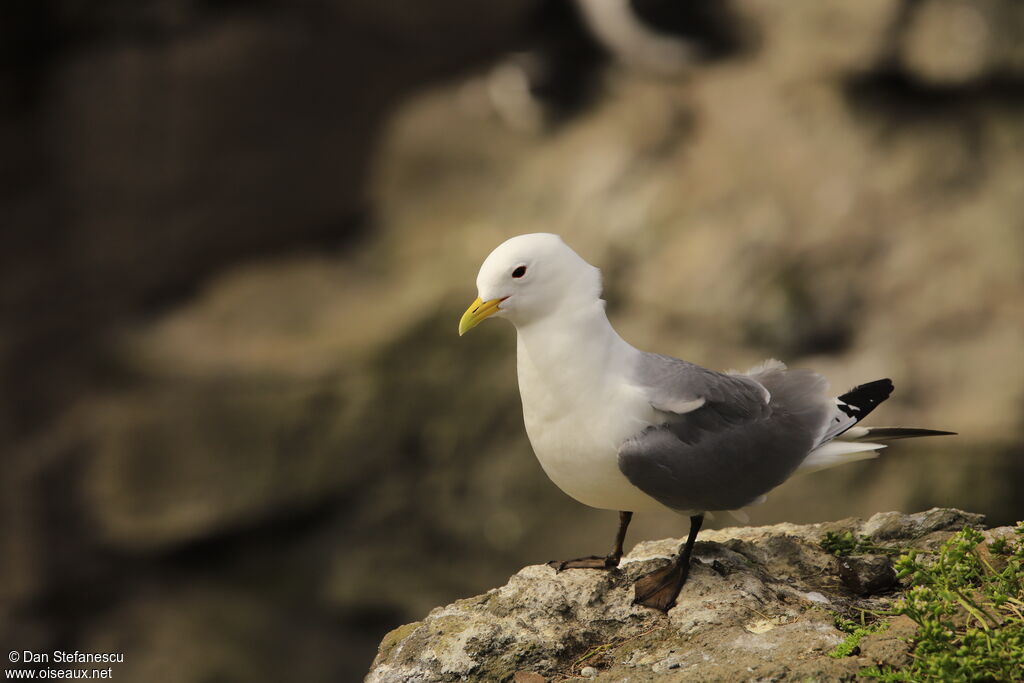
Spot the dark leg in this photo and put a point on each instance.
(660, 588)
(594, 562)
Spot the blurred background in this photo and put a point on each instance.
(240, 436)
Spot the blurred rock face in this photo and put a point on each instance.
(149, 144)
(301, 443)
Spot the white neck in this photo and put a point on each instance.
(565, 348)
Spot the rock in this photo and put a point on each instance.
(949, 42)
(119, 143)
(889, 646)
(867, 574)
(739, 617)
(241, 466)
(893, 525)
(528, 677)
(213, 631)
(994, 562)
(956, 43)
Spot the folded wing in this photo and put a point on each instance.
(746, 434)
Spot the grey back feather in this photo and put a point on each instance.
(748, 435)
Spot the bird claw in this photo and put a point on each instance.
(589, 562)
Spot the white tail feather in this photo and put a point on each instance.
(840, 422)
(836, 453)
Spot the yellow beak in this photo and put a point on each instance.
(477, 312)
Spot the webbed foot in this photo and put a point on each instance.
(660, 588)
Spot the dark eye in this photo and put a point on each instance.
(519, 272)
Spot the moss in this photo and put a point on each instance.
(855, 632)
(969, 613)
(846, 543)
(499, 660)
(476, 603)
(395, 636)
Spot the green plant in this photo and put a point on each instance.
(969, 609)
(846, 543)
(856, 631)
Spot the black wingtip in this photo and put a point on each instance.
(861, 400)
(892, 433)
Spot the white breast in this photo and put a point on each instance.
(579, 407)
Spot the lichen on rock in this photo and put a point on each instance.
(761, 603)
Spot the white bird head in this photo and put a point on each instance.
(530, 277)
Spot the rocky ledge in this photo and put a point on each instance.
(761, 604)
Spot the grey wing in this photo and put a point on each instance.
(678, 388)
(746, 434)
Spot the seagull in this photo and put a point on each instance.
(621, 429)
